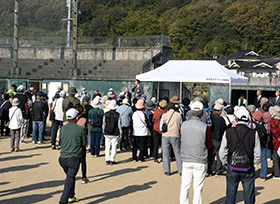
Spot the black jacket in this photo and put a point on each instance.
(39, 111)
(218, 126)
(5, 109)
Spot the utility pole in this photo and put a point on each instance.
(75, 36)
(69, 3)
(14, 70)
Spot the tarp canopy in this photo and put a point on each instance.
(205, 71)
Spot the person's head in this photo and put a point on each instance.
(15, 102)
(259, 92)
(186, 101)
(137, 82)
(20, 88)
(163, 104)
(229, 109)
(134, 101)
(45, 96)
(218, 108)
(242, 96)
(111, 90)
(62, 94)
(150, 105)
(59, 89)
(107, 103)
(251, 108)
(143, 96)
(96, 102)
(72, 91)
(72, 114)
(86, 99)
(140, 105)
(122, 96)
(171, 106)
(79, 108)
(197, 109)
(112, 105)
(175, 99)
(96, 91)
(277, 93)
(32, 90)
(241, 114)
(6, 97)
(258, 116)
(125, 102)
(263, 101)
(266, 107)
(39, 95)
(14, 87)
(126, 90)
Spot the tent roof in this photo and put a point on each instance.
(208, 71)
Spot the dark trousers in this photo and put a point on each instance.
(136, 141)
(71, 168)
(83, 162)
(95, 142)
(276, 162)
(125, 138)
(7, 129)
(56, 124)
(215, 152)
(248, 183)
(157, 142)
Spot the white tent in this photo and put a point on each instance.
(205, 71)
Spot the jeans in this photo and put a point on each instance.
(57, 124)
(71, 168)
(263, 172)
(175, 142)
(95, 142)
(197, 173)
(136, 141)
(248, 183)
(38, 125)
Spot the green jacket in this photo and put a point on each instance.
(73, 138)
(100, 112)
(244, 101)
(65, 103)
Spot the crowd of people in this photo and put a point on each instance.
(204, 139)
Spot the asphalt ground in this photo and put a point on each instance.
(34, 175)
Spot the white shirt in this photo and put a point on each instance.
(57, 108)
(15, 117)
(139, 129)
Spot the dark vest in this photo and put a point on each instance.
(246, 135)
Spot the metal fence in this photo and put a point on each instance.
(92, 42)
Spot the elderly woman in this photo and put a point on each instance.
(275, 134)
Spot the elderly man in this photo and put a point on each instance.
(240, 150)
(73, 138)
(194, 154)
(258, 99)
(276, 100)
(137, 89)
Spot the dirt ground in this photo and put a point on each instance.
(34, 176)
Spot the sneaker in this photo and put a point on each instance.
(17, 150)
(22, 142)
(53, 147)
(12, 149)
(33, 142)
(40, 142)
(134, 161)
(113, 162)
(74, 199)
(167, 173)
(84, 181)
(95, 156)
(276, 177)
(218, 174)
(263, 178)
(107, 162)
(58, 148)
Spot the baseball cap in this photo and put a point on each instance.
(196, 106)
(241, 113)
(71, 113)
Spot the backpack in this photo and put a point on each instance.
(239, 160)
(111, 123)
(70, 105)
(95, 120)
(262, 133)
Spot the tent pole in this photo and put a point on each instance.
(158, 91)
(229, 93)
(180, 91)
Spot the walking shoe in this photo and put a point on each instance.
(134, 160)
(12, 149)
(33, 142)
(218, 174)
(84, 181)
(58, 148)
(40, 142)
(113, 162)
(17, 150)
(107, 162)
(53, 147)
(167, 173)
(74, 199)
(22, 142)
(276, 177)
(263, 178)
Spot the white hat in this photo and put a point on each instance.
(15, 102)
(220, 101)
(125, 101)
(83, 89)
(121, 94)
(71, 113)
(241, 113)
(62, 93)
(196, 106)
(96, 102)
(32, 89)
(112, 105)
(111, 89)
(218, 106)
(20, 88)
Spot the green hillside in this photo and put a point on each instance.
(196, 27)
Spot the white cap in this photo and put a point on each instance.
(62, 93)
(196, 106)
(71, 113)
(20, 88)
(218, 106)
(32, 89)
(111, 89)
(83, 89)
(241, 113)
(125, 101)
(96, 102)
(112, 105)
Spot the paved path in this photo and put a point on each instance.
(34, 176)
